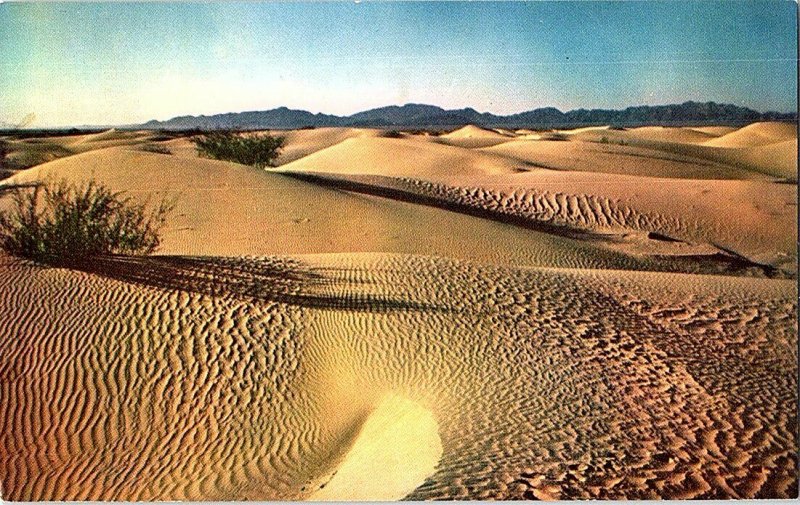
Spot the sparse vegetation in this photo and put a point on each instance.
(557, 136)
(258, 150)
(392, 134)
(156, 148)
(5, 150)
(620, 142)
(61, 223)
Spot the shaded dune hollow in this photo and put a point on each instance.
(344, 376)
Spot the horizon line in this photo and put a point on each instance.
(6, 126)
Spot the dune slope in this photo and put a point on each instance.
(605, 157)
(387, 318)
(224, 379)
(765, 148)
(229, 209)
(402, 157)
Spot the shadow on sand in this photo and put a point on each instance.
(262, 279)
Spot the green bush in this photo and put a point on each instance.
(61, 223)
(256, 150)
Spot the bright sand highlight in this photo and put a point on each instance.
(397, 448)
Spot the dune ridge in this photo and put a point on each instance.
(228, 209)
(481, 314)
(386, 156)
(583, 209)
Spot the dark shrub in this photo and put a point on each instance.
(156, 148)
(260, 150)
(392, 134)
(5, 150)
(62, 223)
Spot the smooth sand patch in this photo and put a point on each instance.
(756, 134)
(765, 148)
(402, 157)
(397, 448)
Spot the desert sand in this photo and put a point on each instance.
(482, 314)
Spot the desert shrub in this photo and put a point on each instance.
(61, 223)
(256, 150)
(5, 150)
(558, 136)
(156, 148)
(424, 131)
(392, 134)
(161, 137)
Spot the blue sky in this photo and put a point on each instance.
(94, 63)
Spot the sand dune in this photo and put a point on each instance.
(402, 157)
(297, 143)
(756, 134)
(225, 379)
(472, 136)
(397, 448)
(28, 152)
(109, 138)
(301, 143)
(229, 209)
(667, 134)
(715, 131)
(387, 318)
(776, 158)
(728, 223)
(605, 157)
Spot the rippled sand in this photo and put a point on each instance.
(205, 378)
(428, 316)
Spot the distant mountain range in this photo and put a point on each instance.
(430, 116)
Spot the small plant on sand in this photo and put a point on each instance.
(258, 150)
(392, 134)
(156, 148)
(61, 223)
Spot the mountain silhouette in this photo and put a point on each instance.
(421, 115)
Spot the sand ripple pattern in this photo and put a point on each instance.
(584, 212)
(204, 378)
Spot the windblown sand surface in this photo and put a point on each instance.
(481, 314)
(221, 378)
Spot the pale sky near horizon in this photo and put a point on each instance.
(122, 63)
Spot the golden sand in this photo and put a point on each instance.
(483, 314)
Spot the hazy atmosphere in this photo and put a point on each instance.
(103, 64)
